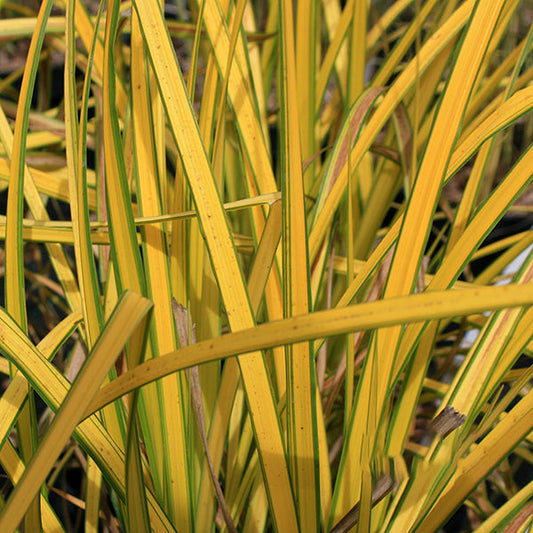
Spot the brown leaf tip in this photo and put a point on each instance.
(446, 421)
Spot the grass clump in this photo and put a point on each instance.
(252, 277)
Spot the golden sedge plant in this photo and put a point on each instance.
(250, 267)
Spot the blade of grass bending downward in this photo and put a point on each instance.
(382, 313)
(224, 260)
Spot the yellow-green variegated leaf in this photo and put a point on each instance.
(402, 310)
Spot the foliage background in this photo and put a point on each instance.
(253, 262)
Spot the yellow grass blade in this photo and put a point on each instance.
(402, 310)
(118, 198)
(254, 50)
(62, 232)
(75, 141)
(327, 206)
(25, 27)
(15, 297)
(339, 155)
(128, 314)
(136, 504)
(357, 51)
(14, 468)
(92, 497)
(511, 508)
(224, 261)
(49, 184)
(376, 378)
(38, 210)
(15, 294)
(302, 444)
(53, 388)
(337, 52)
(173, 390)
(14, 396)
(507, 113)
(306, 47)
(265, 255)
(513, 427)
